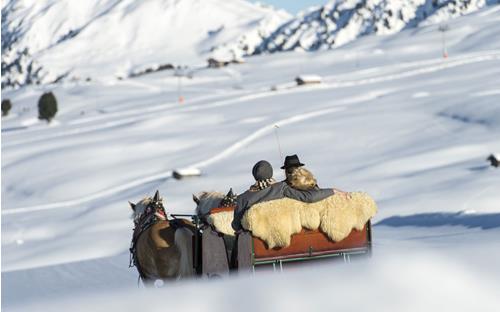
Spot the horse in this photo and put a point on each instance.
(161, 248)
(206, 201)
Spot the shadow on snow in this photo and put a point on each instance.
(484, 221)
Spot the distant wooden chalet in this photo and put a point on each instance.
(494, 159)
(215, 63)
(218, 63)
(186, 172)
(308, 79)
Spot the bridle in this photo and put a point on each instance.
(153, 213)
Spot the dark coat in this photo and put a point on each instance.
(276, 191)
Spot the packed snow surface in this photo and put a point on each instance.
(391, 117)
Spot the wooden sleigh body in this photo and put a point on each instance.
(218, 254)
(252, 252)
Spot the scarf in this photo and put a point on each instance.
(262, 184)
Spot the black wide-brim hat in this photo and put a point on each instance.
(292, 161)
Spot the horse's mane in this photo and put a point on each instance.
(208, 201)
(140, 207)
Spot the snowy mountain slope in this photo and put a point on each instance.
(392, 118)
(114, 38)
(129, 38)
(340, 22)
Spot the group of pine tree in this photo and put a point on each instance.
(47, 106)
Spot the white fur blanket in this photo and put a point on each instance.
(222, 222)
(276, 221)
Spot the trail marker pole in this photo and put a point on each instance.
(179, 89)
(443, 28)
(179, 73)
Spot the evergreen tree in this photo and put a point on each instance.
(6, 106)
(47, 106)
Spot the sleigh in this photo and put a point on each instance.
(219, 253)
(279, 233)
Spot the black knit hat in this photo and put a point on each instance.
(292, 161)
(262, 170)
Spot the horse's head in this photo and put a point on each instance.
(148, 204)
(206, 201)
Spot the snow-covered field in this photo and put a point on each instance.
(391, 118)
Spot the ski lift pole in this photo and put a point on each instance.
(276, 127)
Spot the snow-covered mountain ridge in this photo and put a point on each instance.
(340, 22)
(49, 40)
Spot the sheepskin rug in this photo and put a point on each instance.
(222, 222)
(276, 221)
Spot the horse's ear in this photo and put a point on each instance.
(132, 205)
(230, 193)
(196, 199)
(157, 196)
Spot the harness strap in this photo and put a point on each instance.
(146, 220)
(134, 260)
(175, 223)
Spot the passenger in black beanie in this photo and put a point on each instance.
(266, 188)
(263, 174)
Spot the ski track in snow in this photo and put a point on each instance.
(85, 199)
(457, 61)
(387, 69)
(144, 114)
(444, 64)
(256, 94)
(202, 164)
(110, 120)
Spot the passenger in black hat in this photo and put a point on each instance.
(292, 161)
(266, 188)
(262, 172)
(300, 178)
(297, 176)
